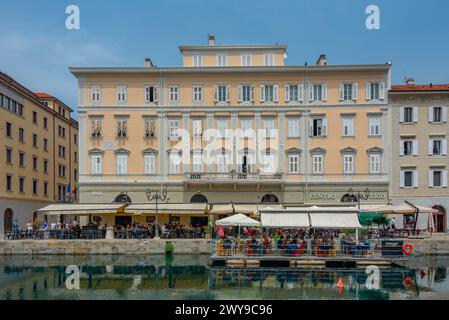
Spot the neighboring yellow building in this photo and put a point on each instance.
(307, 133)
(38, 146)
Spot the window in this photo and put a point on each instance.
(8, 129)
(121, 93)
(96, 166)
(348, 126)
(268, 59)
(409, 179)
(374, 163)
(437, 178)
(409, 114)
(318, 127)
(437, 147)
(348, 163)
(75, 138)
(96, 128)
(197, 125)
(269, 93)
(45, 123)
(245, 60)
(21, 184)
(245, 126)
(348, 91)
(293, 163)
(34, 117)
(293, 127)
(61, 171)
(150, 163)
(197, 60)
(45, 144)
(408, 148)
(318, 92)
(197, 161)
(222, 93)
(173, 92)
(35, 163)
(20, 109)
(222, 162)
(246, 93)
(95, 91)
(61, 193)
(122, 163)
(7, 102)
(374, 126)
(437, 114)
(75, 156)
(269, 126)
(21, 159)
(150, 128)
(34, 140)
(34, 186)
(13, 106)
(317, 163)
(173, 129)
(150, 94)
(197, 93)
(222, 60)
(46, 188)
(8, 156)
(222, 127)
(375, 91)
(8, 182)
(45, 166)
(122, 128)
(175, 162)
(294, 93)
(75, 174)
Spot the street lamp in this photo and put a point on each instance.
(158, 196)
(359, 195)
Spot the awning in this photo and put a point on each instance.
(233, 208)
(82, 209)
(167, 208)
(238, 220)
(332, 220)
(285, 220)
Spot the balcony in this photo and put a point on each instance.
(233, 177)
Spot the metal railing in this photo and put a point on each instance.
(233, 177)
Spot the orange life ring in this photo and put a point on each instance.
(407, 282)
(407, 248)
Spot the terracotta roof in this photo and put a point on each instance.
(44, 95)
(420, 87)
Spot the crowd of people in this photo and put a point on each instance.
(166, 230)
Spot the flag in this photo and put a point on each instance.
(68, 188)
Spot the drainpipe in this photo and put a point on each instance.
(306, 137)
(416, 215)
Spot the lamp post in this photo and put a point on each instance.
(157, 196)
(359, 195)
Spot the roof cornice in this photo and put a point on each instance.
(282, 47)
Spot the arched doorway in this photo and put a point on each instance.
(7, 220)
(439, 219)
(122, 198)
(349, 198)
(198, 198)
(269, 198)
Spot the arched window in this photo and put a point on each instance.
(349, 198)
(270, 198)
(7, 220)
(122, 198)
(198, 198)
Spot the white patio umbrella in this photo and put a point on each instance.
(239, 220)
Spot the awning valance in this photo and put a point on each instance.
(167, 208)
(332, 220)
(285, 220)
(82, 209)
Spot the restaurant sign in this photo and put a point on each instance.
(336, 196)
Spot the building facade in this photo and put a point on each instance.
(39, 157)
(234, 123)
(420, 132)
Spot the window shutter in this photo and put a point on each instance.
(252, 93)
(276, 93)
(287, 93)
(240, 94)
(431, 178)
(415, 147)
(215, 93)
(355, 91)
(401, 148)
(444, 147)
(430, 111)
(430, 147)
(382, 91)
(444, 114)
(324, 88)
(341, 88)
(324, 127)
(401, 115)
(415, 179)
(444, 178)
(401, 178)
(301, 92)
(262, 93)
(368, 91)
(310, 127)
(228, 93)
(311, 92)
(415, 114)
(156, 93)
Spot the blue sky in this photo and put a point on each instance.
(36, 48)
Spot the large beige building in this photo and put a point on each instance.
(234, 123)
(420, 132)
(38, 147)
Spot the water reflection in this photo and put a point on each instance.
(191, 277)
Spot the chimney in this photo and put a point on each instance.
(210, 40)
(148, 63)
(322, 60)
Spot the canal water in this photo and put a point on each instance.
(191, 277)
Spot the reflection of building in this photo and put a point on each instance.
(38, 147)
(420, 132)
(321, 129)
